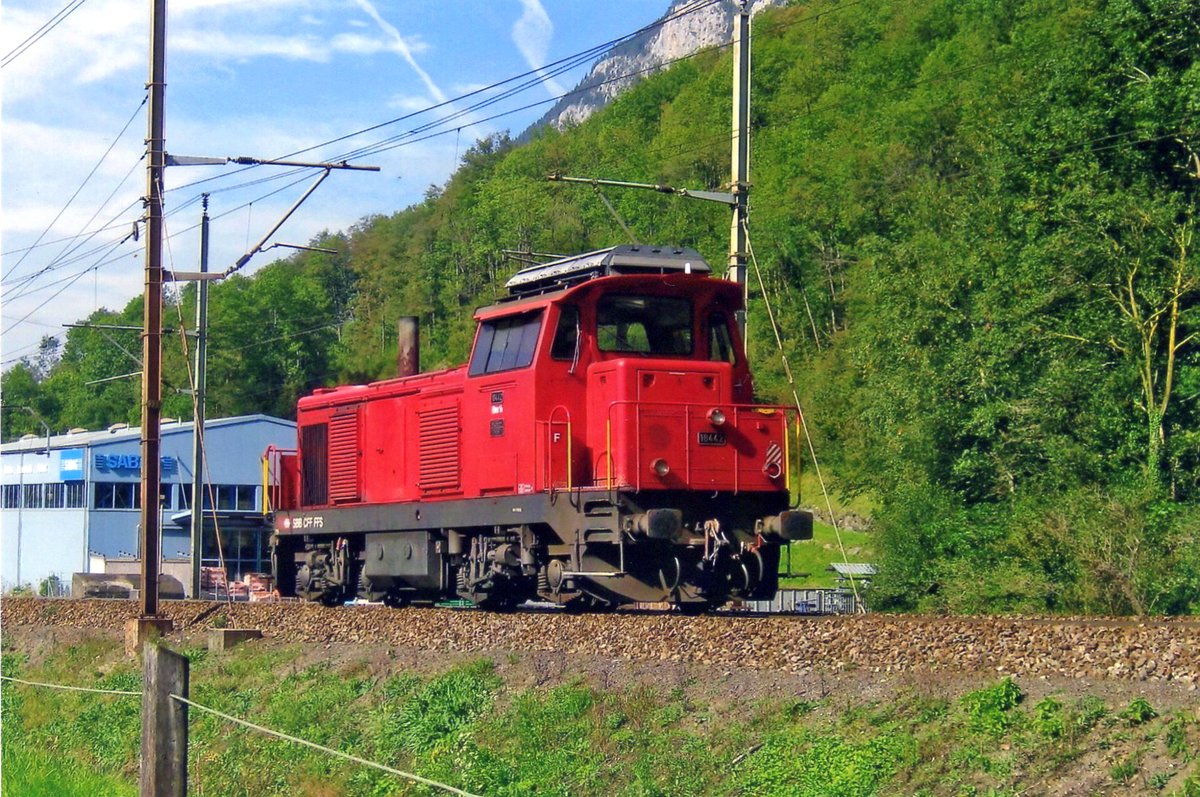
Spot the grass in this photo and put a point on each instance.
(813, 557)
(466, 726)
(32, 773)
(810, 491)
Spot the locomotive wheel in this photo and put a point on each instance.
(756, 569)
(364, 589)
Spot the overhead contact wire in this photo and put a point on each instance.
(41, 32)
(95, 168)
(791, 380)
(581, 55)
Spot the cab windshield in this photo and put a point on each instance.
(652, 325)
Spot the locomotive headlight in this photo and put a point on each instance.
(716, 417)
(661, 467)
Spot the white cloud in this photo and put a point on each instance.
(219, 45)
(409, 103)
(77, 152)
(468, 88)
(532, 33)
(402, 48)
(361, 44)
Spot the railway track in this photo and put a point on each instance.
(1123, 649)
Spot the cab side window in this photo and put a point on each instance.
(720, 342)
(505, 344)
(566, 336)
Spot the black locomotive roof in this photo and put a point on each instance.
(624, 259)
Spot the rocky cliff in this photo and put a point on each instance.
(687, 26)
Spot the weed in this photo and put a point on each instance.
(799, 708)
(1138, 712)
(12, 662)
(1048, 719)
(932, 709)
(195, 654)
(1176, 738)
(444, 705)
(1159, 781)
(1123, 771)
(1089, 711)
(989, 709)
(614, 720)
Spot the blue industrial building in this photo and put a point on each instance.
(68, 501)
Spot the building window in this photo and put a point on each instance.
(229, 497)
(117, 495)
(56, 496)
(33, 496)
(12, 496)
(226, 496)
(247, 497)
(74, 495)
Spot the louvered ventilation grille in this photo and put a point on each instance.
(343, 458)
(439, 448)
(313, 464)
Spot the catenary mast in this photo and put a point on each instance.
(151, 514)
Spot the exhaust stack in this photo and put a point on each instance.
(408, 356)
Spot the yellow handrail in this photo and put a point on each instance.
(266, 480)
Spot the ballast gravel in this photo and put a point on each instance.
(1124, 649)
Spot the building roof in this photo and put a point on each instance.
(123, 432)
(853, 569)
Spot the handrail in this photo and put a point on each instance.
(266, 482)
(272, 461)
(549, 475)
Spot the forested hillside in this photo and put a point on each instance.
(976, 223)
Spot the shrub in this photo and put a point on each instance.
(1048, 718)
(1139, 712)
(988, 710)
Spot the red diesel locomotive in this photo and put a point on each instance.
(600, 448)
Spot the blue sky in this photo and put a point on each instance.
(264, 79)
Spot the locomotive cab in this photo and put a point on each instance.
(600, 447)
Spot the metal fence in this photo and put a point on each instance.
(803, 601)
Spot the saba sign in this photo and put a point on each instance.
(129, 463)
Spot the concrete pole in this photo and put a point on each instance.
(151, 515)
(198, 397)
(740, 162)
(20, 511)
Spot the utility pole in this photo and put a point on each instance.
(737, 199)
(740, 165)
(151, 515)
(198, 396)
